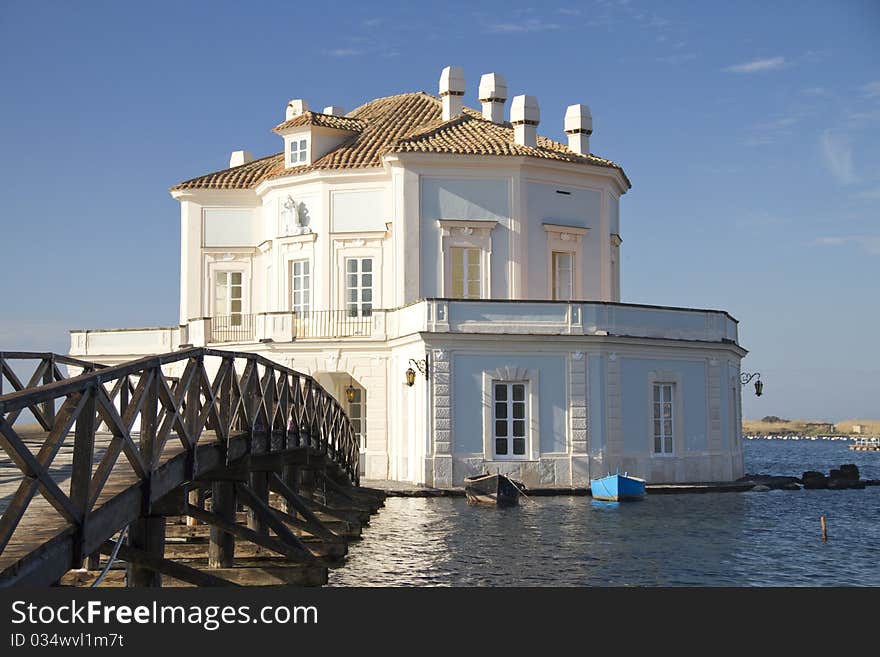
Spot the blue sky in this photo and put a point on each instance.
(749, 130)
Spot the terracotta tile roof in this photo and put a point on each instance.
(406, 123)
(325, 120)
(471, 134)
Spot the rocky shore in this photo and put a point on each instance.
(843, 478)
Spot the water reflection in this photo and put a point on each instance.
(730, 539)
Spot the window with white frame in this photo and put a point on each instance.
(565, 250)
(466, 252)
(300, 286)
(663, 416)
(299, 149)
(357, 413)
(466, 272)
(359, 287)
(228, 298)
(510, 421)
(563, 275)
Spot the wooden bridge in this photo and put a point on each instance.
(150, 461)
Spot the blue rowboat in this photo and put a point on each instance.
(618, 488)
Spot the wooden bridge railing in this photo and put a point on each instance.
(149, 406)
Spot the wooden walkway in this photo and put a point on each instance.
(159, 448)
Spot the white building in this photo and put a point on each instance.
(414, 233)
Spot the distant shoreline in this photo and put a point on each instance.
(772, 426)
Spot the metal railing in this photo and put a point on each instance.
(232, 328)
(332, 324)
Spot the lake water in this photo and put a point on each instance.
(714, 539)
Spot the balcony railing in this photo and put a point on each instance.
(232, 328)
(486, 316)
(332, 324)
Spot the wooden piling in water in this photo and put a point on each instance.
(146, 534)
(259, 484)
(221, 550)
(824, 528)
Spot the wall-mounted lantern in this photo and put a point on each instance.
(349, 391)
(420, 365)
(745, 377)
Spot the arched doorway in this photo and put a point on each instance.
(353, 396)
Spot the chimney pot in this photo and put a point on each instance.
(525, 116)
(579, 127)
(334, 110)
(493, 95)
(451, 91)
(296, 107)
(237, 158)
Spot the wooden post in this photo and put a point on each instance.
(259, 484)
(221, 551)
(291, 475)
(49, 406)
(191, 419)
(150, 422)
(824, 528)
(147, 533)
(195, 498)
(81, 469)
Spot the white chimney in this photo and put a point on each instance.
(525, 116)
(296, 107)
(240, 157)
(334, 110)
(579, 127)
(451, 91)
(493, 95)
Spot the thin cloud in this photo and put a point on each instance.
(530, 25)
(871, 89)
(769, 132)
(343, 52)
(837, 151)
(757, 65)
(679, 58)
(869, 193)
(868, 243)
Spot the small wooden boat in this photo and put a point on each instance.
(492, 490)
(618, 488)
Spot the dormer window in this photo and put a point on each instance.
(299, 151)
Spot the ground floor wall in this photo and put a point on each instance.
(587, 406)
(588, 410)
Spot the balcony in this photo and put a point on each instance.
(286, 326)
(490, 316)
(319, 324)
(233, 328)
(577, 318)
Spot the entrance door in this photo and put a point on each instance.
(357, 413)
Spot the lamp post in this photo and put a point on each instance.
(745, 377)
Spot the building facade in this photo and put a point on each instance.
(417, 234)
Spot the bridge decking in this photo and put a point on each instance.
(257, 435)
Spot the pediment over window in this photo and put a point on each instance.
(564, 233)
(466, 227)
(510, 374)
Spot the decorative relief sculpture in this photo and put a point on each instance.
(294, 218)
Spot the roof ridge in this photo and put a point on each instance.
(409, 122)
